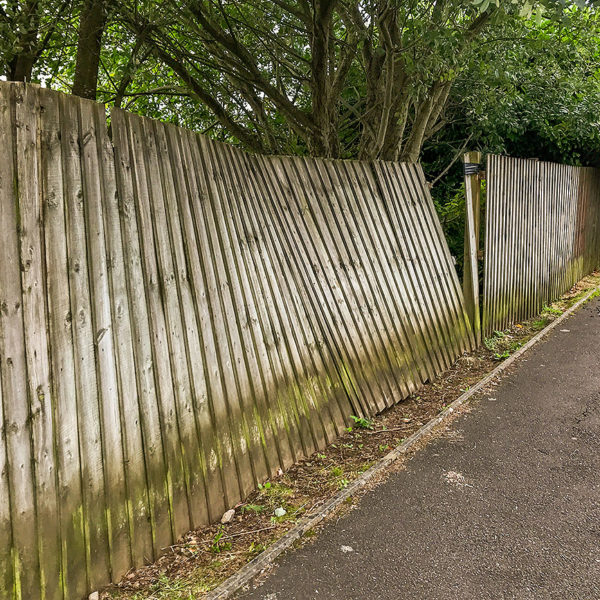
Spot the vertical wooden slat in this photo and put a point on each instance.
(6, 542)
(18, 474)
(31, 220)
(156, 454)
(177, 490)
(117, 514)
(63, 387)
(88, 414)
(160, 188)
(504, 241)
(178, 206)
(471, 238)
(137, 501)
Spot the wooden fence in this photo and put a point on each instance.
(179, 320)
(542, 235)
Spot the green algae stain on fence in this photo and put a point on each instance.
(284, 337)
(550, 213)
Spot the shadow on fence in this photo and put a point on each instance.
(542, 235)
(179, 320)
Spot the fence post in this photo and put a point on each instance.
(472, 220)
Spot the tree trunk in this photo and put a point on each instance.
(324, 119)
(89, 45)
(21, 65)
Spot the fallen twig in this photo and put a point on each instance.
(226, 537)
(386, 430)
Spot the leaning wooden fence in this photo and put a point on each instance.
(542, 235)
(179, 320)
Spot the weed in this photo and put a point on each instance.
(489, 343)
(275, 494)
(540, 324)
(218, 545)
(383, 447)
(321, 456)
(361, 422)
(343, 484)
(551, 310)
(502, 356)
(264, 486)
(337, 472)
(193, 586)
(256, 548)
(256, 508)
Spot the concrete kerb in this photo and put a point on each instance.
(257, 565)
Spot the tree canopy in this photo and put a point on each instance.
(374, 79)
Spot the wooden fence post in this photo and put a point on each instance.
(472, 220)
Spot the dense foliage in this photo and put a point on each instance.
(366, 78)
(387, 79)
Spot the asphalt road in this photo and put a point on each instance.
(508, 507)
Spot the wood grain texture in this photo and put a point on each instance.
(180, 320)
(542, 224)
(63, 386)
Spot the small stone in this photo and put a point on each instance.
(346, 549)
(280, 512)
(406, 420)
(94, 596)
(228, 516)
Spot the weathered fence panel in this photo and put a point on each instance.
(542, 235)
(179, 320)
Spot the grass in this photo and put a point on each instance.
(176, 588)
(504, 343)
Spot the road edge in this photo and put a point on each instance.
(252, 569)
